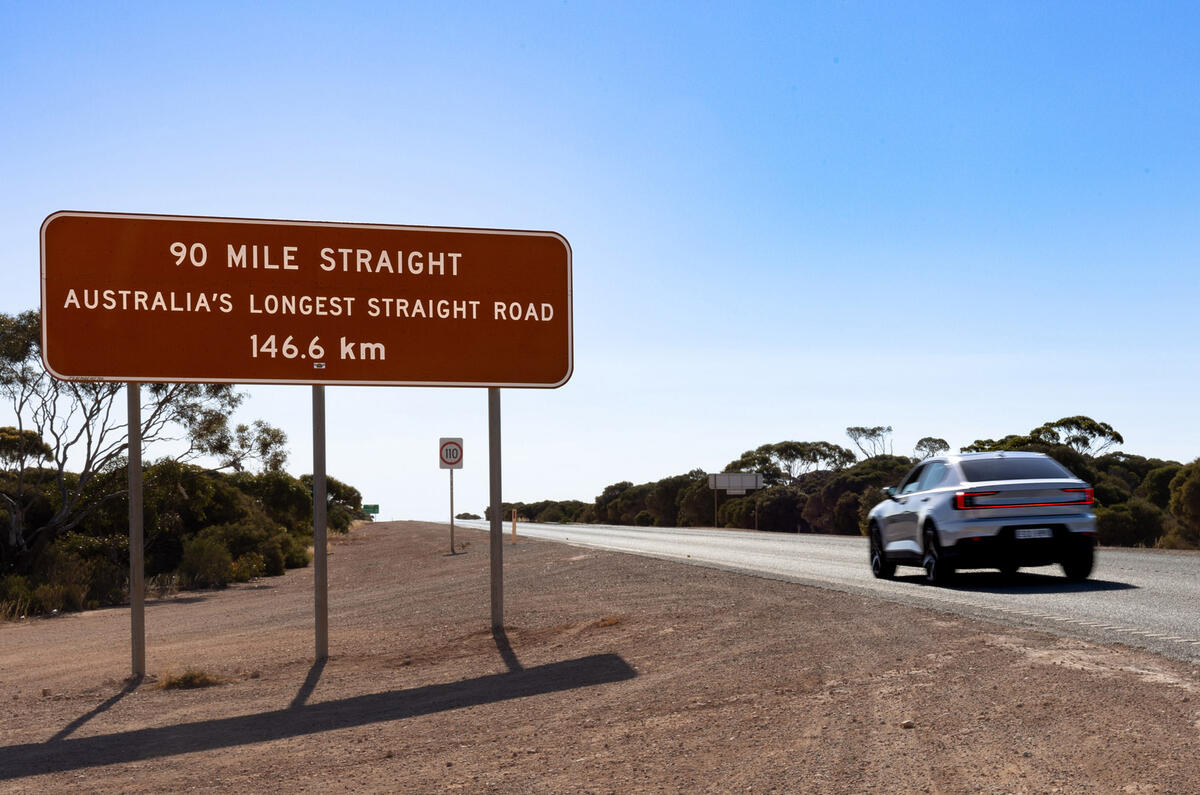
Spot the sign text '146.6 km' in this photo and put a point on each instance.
(168, 298)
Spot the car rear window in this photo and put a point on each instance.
(982, 469)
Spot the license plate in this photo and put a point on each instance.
(1033, 532)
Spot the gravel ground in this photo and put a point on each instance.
(614, 674)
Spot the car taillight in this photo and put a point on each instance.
(965, 500)
(1089, 497)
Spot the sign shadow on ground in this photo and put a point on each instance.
(59, 755)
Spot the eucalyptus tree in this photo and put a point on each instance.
(82, 428)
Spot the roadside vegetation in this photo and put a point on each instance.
(64, 526)
(821, 487)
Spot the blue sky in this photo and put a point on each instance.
(958, 219)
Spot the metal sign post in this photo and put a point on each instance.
(320, 506)
(450, 456)
(137, 567)
(497, 528)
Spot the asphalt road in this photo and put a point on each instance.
(1143, 598)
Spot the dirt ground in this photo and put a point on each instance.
(614, 674)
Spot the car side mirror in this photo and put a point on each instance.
(889, 492)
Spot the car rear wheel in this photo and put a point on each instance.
(937, 570)
(881, 567)
(1077, 565)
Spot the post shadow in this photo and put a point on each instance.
(65, 753)
(131, 683)
(310, 684)
(506, 650)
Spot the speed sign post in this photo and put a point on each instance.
(450, 456)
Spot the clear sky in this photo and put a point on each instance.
(957, 219)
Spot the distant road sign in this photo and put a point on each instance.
(736, 482)
(186, 299)
(450, 453)
(371, 509)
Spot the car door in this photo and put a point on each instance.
(902, 522)
(922, 500)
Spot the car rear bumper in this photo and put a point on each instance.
(994, 543)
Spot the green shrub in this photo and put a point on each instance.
(271, 552)
(247, 567)
(206, 563)
(339, 518)
(1135, 523)
(295, 551)
(644, 519)
(14, 587)
(67, 577)
(48, 598)
(99, 562)
(1110, 491)
(1177, 536)
(109, 583)
(283, 498)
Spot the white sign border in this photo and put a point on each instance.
(327, 224)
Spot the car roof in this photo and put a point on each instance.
(1000, 454)
(985, 454)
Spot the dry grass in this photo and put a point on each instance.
(190, 679)
(15, 609)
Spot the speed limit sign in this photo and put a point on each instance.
(450, 453)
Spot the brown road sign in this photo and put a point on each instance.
(170, 298)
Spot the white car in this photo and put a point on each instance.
(999, 510)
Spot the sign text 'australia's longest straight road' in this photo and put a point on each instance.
(168, 298)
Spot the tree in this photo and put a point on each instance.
(1184, 525)
(871, 441)
(84, 431)
(19, 448)
(696, 503)
(784, 462)
(800, 458)
(929, 446)
(607, 511)
(1011, 442)
(1156, 486)
(760, 459)
(663, 500)
(1083, 434)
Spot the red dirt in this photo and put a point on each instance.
(615, 674)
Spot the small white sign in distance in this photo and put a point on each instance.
(450, 452)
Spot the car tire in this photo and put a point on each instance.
(937, 570)
(881, 567)
(1008, 570)
(1078, 563)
